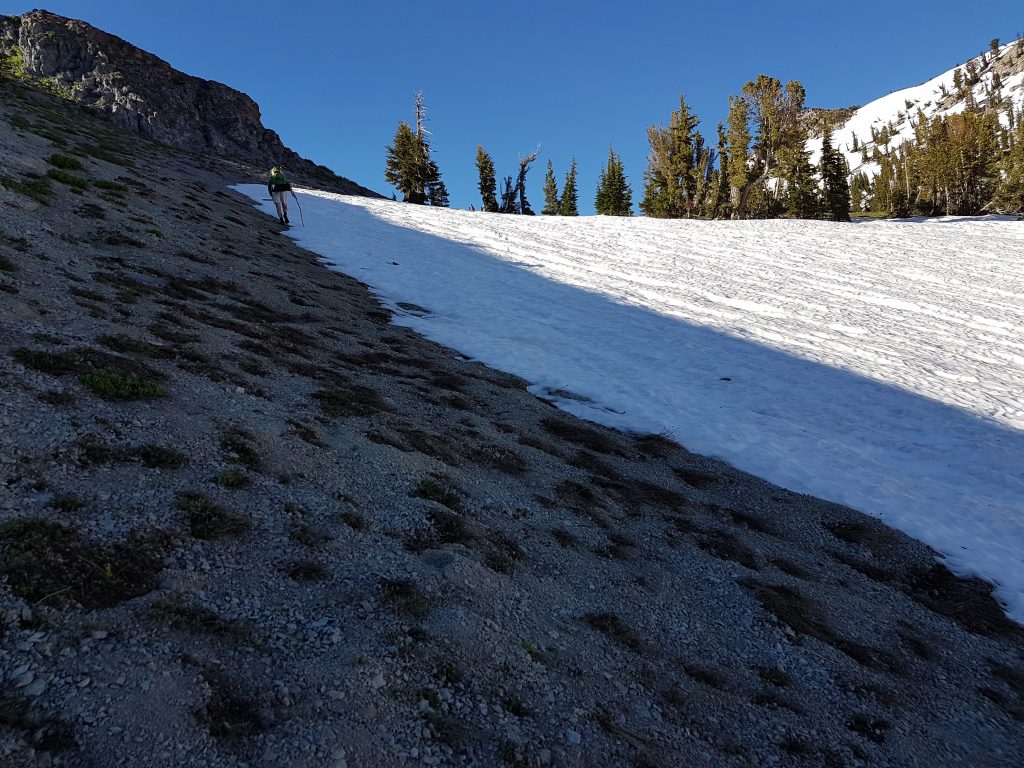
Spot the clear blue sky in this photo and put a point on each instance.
(334, 78)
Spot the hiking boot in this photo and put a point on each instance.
(286, 219)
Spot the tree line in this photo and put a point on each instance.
(759, 166)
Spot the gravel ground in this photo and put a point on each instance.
(246, 521)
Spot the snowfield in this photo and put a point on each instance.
(878, 365)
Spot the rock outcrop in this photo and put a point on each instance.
(144, 94)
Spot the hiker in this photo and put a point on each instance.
(279, 188)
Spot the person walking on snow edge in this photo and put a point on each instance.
(279, 188)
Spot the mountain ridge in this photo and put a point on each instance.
(992, 80)
(144, 94)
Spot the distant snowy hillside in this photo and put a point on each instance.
(999, 83)
(879, 364)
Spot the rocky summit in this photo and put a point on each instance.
(146, 96)
(246, 520)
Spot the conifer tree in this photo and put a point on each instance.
(802, 198)
(409, 167)
(568, 205)
(737, 149)
(552, 206)
(720, 207)
(485, 168)
(676, 166)
(1009, 196)
(524, 167)
(763, 125)
(614, 197)
(835, 186)
(437, 192)
(509, 201)
(405, 169)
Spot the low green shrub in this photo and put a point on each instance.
(113, 386)
(66, 162)
(75, 182)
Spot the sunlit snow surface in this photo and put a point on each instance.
(879, 365)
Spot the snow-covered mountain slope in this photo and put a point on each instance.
(879, 365)
(898, 111)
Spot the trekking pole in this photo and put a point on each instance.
(303, 220)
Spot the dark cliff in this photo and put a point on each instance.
(144, 94)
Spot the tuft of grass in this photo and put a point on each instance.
(155, 232)
(36, 189)
(196, 618)
(66, 162)
(449, 729)
(565, 538)
(104, 153)
(350, 401)
(75, 182)
(515, 706)
(230, 713)
(306, 570)
(233, 478)
(20, 122)
(307, 536)
(596, 441)
(612, 627)
(90, 211)
(157, 456)
(6, 265)
(434, 491)
(57, 397)
(241, 445)
(725, 546)
(93, 452)
(404, 597)
(121, 239)
(354, 520)
(114, 386)
(208, 520)
(50, 562)
(66, 502)
(110, 186)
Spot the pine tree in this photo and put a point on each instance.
(405, 169)
(1009, 196)
(802, 198)
(860, 188)
(552, 206)
(676, 166)
(568, 205)
(763, 126)
(524, 167)
(614, 197)
(737, 149)
(485, 168)
(720, 208)
(836, 187)
(509, 201)
(437, 192)
(409, 167)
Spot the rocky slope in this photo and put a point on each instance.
(145, 95)
(246, 521)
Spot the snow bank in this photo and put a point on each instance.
(879, 364)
